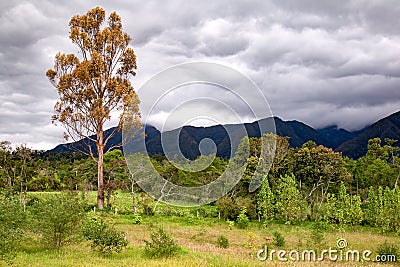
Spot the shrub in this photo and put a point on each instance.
(137, 219)
(222, 242)
(190, 219)
(103, 237)
(279, 240)
(12, 220)
(226, 208)
(230, 224)
(161, 245)
(242, 220)
(57, 218)
(251, 209)
(251, 243)
(388, 249)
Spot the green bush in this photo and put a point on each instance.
(161, 245)
(57, 218)
(222, 242)
(227, 208)
(12, 222)
(190, 219)
(242, 220)
(279, 240)
(230, 224)
(388, 249)
(103, 237)
(136, 219)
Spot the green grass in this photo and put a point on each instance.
(198, 238)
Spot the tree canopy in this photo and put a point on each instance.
(95, 83)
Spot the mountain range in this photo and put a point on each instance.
(351, 144)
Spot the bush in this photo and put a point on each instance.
(242, 219)
(137, 219)
(191, 219)
(251, 243)
(230, 224)
(12, 221)
(222, 242)
(279, 240)
(226, 208)
(388, 249)
(161, 245)
(57, 218)
(251, 210)
(103, 237)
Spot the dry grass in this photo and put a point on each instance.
(198, 238)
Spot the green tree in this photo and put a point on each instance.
(6, 157)
(327, 213)
(342, 209)
(265, 201)
(319, 170)
(390, 213)
(227, 208)
(92, 86)
(380, 166)
(356, 212)
(289, 202)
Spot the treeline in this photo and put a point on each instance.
(317, 184)
(307, 183)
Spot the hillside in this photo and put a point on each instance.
(388, 127)
(190, 137)
(335, 136)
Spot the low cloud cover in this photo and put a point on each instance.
(320, 62)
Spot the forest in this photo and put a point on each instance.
(318, 176)
(323, 188)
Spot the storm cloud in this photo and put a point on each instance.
(320, 62)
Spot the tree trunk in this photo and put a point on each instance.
(100, 182)
(133, 201)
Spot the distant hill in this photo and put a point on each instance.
(388, 127)
(335, 136)
(190, 137)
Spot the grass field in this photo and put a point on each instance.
(197, 236)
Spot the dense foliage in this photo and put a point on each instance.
(319, 183)
(57, 218)
(12, 222)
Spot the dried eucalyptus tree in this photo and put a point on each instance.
(94, 83)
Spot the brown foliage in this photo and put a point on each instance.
(97, 82)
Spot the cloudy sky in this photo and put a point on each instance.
(319, 62)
